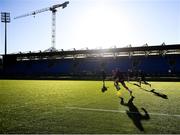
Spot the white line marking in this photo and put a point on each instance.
(118, 111)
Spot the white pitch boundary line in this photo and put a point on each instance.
(119, 111)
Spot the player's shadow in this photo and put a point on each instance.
(134, 114)
(164, 96)
(153, 91)
(137, 84)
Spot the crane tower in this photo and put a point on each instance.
(53, 9)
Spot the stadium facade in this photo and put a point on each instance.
(155, 61)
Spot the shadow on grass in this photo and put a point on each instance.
(153, 91)
(136, 85)
(159, 94)
(134, 114)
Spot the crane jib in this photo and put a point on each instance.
(53, 10)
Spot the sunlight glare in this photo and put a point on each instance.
(103, 25)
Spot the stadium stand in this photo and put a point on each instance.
(91, 62)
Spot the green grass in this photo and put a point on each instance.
(28, 106)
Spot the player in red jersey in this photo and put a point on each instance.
(119, 78)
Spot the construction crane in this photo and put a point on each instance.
(53, 9)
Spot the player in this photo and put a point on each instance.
(118, 77)
(104, 88)
(143, 79)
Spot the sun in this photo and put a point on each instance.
(103, 26)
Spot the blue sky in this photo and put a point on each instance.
(91, 24)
